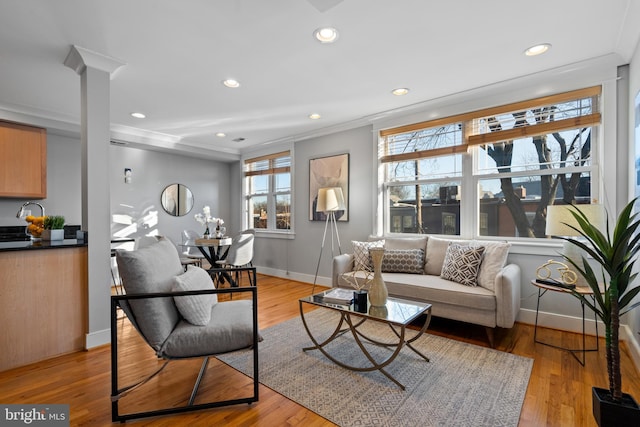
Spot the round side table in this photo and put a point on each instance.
(542, 289)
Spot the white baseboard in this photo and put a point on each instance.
(300, 277)
(96, 339)
(561, 321)
(626, 334)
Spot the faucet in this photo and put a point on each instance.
(21, 211)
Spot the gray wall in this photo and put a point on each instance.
(152, 171)
(633, 319)
(298, 257)
(63, 184)
(209, 181)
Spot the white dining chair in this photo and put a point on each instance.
(191, 254)
(240, 253)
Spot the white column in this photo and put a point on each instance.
(95, 71)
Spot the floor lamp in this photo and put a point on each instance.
(330, 200)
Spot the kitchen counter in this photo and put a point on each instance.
(43, 244)
(43, 300)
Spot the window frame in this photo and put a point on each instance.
(273, 169)
(469, 203)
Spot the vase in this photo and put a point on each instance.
(378, 290)
(52, 234)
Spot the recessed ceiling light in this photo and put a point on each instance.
(221, 134)
(538, 49)
(314, 116)
(400, 91)
(138, 115)
(231, 83)
(326, 35)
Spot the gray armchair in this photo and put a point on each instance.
(178, 315)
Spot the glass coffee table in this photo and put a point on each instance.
(397, 314)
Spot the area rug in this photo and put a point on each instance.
(462, 385)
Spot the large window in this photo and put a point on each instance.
(268, 192)
(509, 162)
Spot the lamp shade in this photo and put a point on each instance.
(559, 218)
(330, 199)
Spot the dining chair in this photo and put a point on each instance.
(240, 254)
(178, 315)
(191, 254)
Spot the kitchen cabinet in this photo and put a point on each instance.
(23, 161)
(43, 300)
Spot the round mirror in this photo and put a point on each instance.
(177, 199)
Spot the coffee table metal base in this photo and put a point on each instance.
(349, 322)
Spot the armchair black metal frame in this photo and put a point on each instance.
(121, 301)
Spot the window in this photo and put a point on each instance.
(268, 192)
(510, 162)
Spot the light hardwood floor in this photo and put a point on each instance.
(559, 392)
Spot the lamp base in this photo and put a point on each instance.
(575, 254)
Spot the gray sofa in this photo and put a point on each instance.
(413, 269)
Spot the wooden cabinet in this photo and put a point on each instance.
(23, 161)
(43, 304)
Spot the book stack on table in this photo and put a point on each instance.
(337, 296)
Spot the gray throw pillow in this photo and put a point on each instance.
(196, 309)
(403, 261)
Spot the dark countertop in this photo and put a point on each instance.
(43, 244)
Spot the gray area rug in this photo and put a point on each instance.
(462, 385)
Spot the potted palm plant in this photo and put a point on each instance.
(614, 293)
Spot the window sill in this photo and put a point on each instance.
(270, 234)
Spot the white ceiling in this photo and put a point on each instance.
(178, 52)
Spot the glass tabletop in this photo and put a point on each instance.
(396, 311)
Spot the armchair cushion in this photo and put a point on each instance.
(230, 328)
(196, 309)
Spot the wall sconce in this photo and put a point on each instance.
(127, 175)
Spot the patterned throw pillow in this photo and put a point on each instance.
(462, 263)
(361, 254)
(403, 261)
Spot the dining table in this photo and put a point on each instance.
(214, 249)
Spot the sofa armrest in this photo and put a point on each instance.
(507, 289)
(341, 264)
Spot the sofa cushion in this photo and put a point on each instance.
(462, 263)
(434, 289)
(406, 243)
(436, 251)
(493, 260)
(403, 261)
(196, 309)
(361, 259)
(147, 270)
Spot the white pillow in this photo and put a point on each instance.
(436, 250)
(494, 259)
(196, 309)
(462, 263)
(361, 258)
